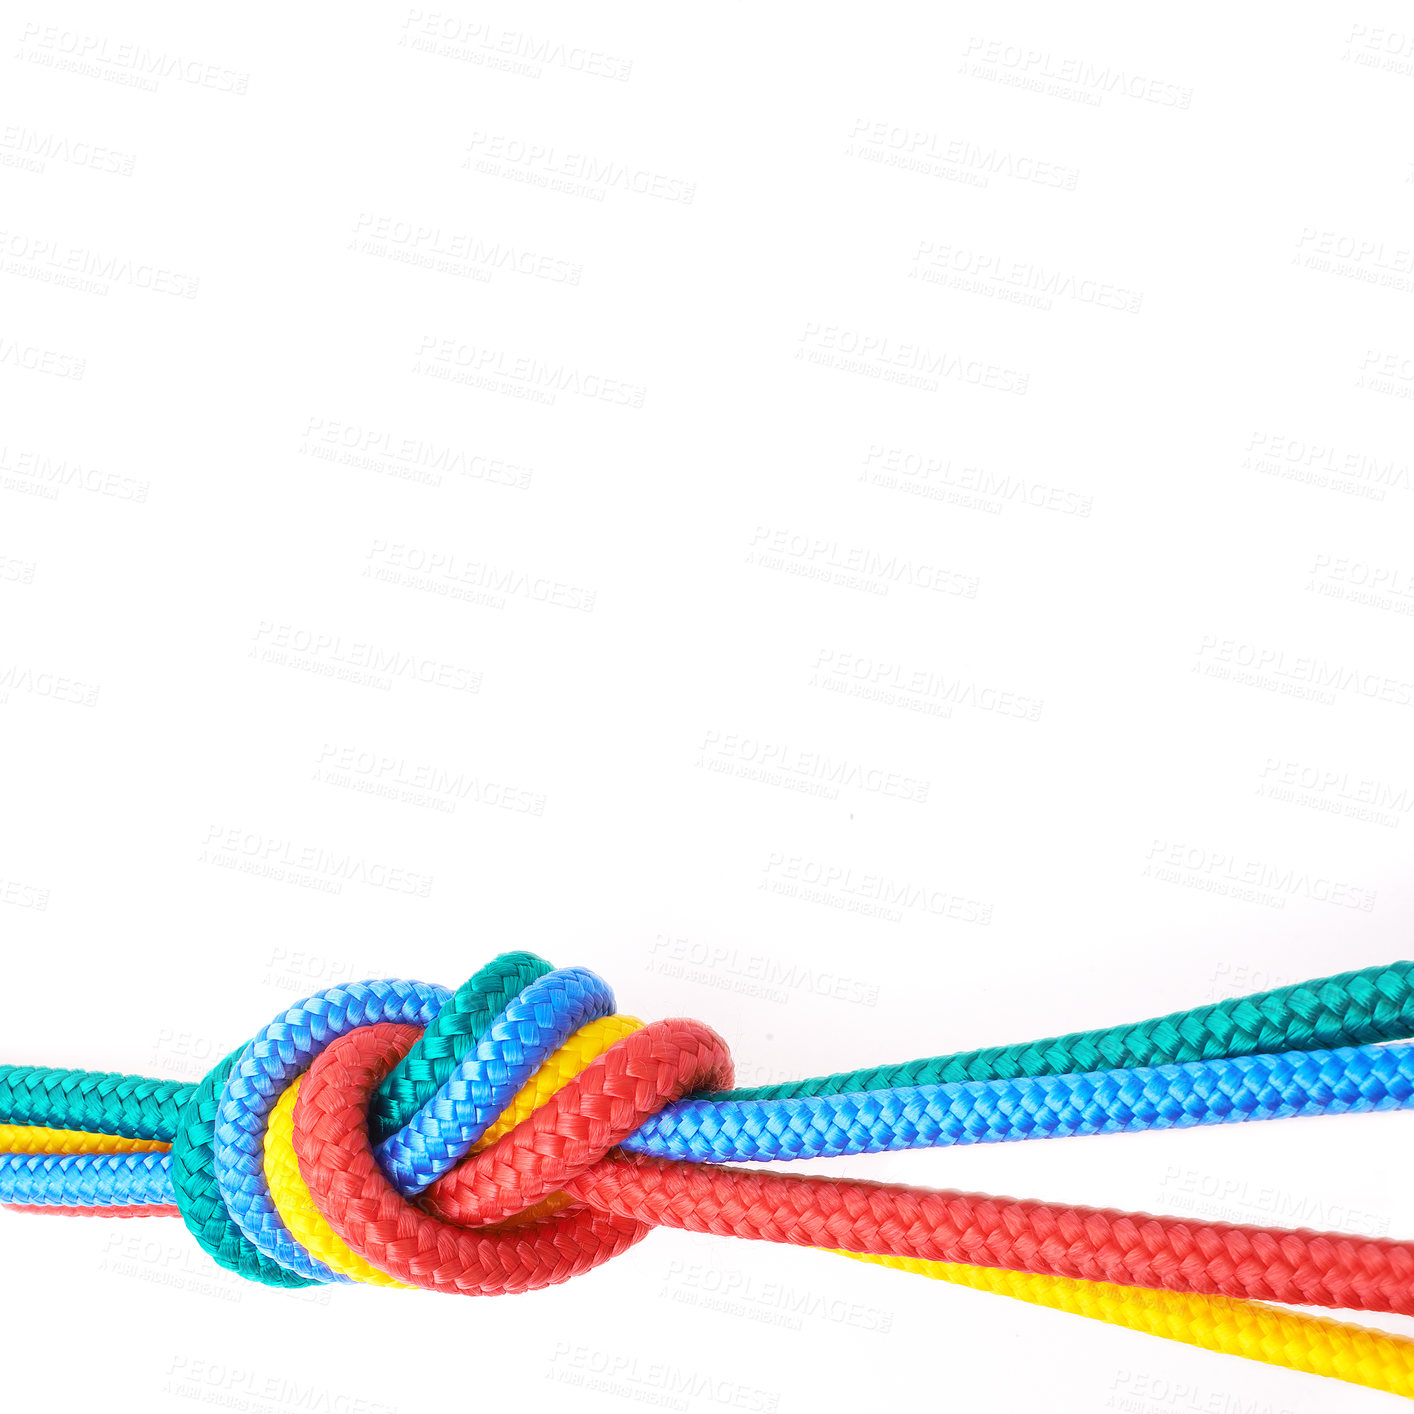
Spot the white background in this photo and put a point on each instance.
(886, 533)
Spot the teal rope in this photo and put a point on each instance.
(198, 1196)
(458, 1027)
(96, 1101)
(1351, 1009)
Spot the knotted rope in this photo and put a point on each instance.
(519, 1132)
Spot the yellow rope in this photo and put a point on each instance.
(309, 1227)
(587, 1044)
(34, 1139)
(1226, 1324)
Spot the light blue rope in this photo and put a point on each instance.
(530, 1029)
(279, 1052)
(57, 1180)
(1351, 1080)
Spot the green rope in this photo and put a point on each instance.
(458, 1027)
(97, 1101)
(199, 1196)
(1352, 1009)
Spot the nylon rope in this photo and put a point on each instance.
(546, 1134)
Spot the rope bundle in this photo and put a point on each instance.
(519, 1132)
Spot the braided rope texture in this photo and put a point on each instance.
(1136, 1249)
(530, 1113)
(1044, 1107)
(1350, 1009)
(35, 1139)
(704, 1130)
(129, 1105)
(122, 1180)
(278, 1053)
(1315, 1345)
(456, 1029)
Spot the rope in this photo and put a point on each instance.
(1351, 1080)
(527, 1115)
(1313, 1344)
(25, 1139)
(1136, 1249)
(1048, 1107)
(102, 1101)
(301, 1214)
(1350, 1009)
(116, 1180)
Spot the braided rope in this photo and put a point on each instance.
(118, 1180)
(1247, 1088)
(143, 1210)
(102, 1101)
(1136, 1249)
(298, 1209)
(27, 1139)
(1045, 1107)
(1315, 1345)
(530, 1115)
(278, 1053)
(531, 1028)
(1350, 1009)
(455, 1030)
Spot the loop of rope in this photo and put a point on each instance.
(377, 1222)
(276, 1055)
(546, 1134)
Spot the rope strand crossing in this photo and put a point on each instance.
(546, 1134)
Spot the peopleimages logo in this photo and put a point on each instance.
(652, 1382)
(759, 970)
(239, 1387)
(1255, 662)
(253, 852)
(777, 762)
(894, 678)
(863, 891)
(853, 565)
(1075, 72)
(282, 639)
(1223, 872)
(739, 1293)
(57, 262)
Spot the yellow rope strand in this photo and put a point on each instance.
(1231, 1326)
(35, 1139)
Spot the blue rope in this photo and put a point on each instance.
(72, 1181)
(530, 1029)
(279, 1052)
(1350, 1080)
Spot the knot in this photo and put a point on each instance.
(301, 1158)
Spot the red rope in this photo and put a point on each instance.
(336, 1159)
(140, 1210)
(568, 1146)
